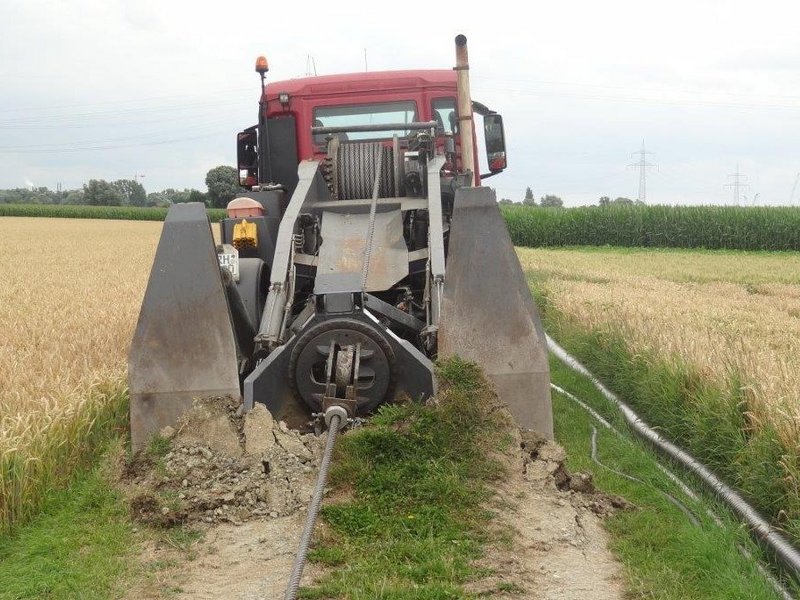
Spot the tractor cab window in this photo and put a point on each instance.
(384, 113)
(444, 113)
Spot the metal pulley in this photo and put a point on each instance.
(343, 359)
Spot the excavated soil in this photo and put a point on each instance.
(243, 482)
(222, 467)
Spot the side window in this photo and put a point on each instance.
(444, 113)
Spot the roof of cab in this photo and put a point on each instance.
(371, 81)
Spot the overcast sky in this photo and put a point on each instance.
(118, 88)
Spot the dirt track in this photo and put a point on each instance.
(559, 548)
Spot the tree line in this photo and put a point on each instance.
(222, 185)
(552, 201)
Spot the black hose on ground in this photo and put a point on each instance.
(335, 420)
(669, 497)
(777, 585)
(785, 552)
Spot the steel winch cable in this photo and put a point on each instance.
(371, 226)
(336, 416)
(760, 529)
(335, 422)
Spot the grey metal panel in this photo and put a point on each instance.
(404, 319)
(415, 372)
(339, 303)
(184, 346)
(344, 243)
(337, 283)
(488, 313)
(269, 385)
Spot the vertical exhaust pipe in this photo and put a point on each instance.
(465, 108)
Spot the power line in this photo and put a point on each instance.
(737, 184)
(794, 189)
(626, 87)
(110, 146)
(643, 165)
(182, 99)
(654, 100)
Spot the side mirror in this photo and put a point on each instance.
(247, 156)
(495, 142)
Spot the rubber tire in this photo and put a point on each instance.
(252, 286)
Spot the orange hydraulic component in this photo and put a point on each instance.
(245, 235)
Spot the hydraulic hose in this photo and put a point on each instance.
(760, 528)
(669, 497)
(335, 419)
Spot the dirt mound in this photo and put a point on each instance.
(543, 463)
(220, 465)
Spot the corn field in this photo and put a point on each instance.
(70, 292)
(712, 227)
(66, 211)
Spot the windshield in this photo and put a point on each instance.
(365, 114)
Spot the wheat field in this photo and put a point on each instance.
(724, 314)
(70, 292)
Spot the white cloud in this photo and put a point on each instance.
(707, 83)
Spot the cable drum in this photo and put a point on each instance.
(356, 163)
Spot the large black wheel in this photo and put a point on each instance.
(308, 361)
(252, 287)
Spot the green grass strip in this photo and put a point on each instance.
(414, 480)
(664, 554)
(65, 211)
(78, 547)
